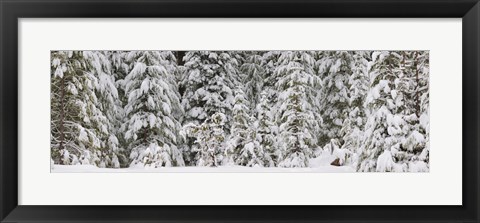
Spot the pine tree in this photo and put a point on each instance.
(379, 106)
(423, 72)
(295, 116)
(77, 124)
(253, 153)
(335, 69)
(254, 76)
(208, 84)
(99, 67)
(210, 137)
(270, 63)
(241, 127)
(391, 141)
(120, 68)
(152, 130)
(266, 131)
(184, 144)
(352, 129)
(415, 145)
(207, 88)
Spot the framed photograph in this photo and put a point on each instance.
(239, 111)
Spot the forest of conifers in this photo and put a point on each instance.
(150, 109)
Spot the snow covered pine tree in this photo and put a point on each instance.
(317, 111)
(152, 130)
(295, 111)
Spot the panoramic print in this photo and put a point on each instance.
(239, 111)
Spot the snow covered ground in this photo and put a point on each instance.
(317, 165)
(223, 169)
(320, 164)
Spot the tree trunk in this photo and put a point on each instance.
(62, 114)
(179, 55)
(417, 99)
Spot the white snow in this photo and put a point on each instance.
(385, 162)
(145, 87)
(222, 169)
(83, 135)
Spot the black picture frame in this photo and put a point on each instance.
(11, 11)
